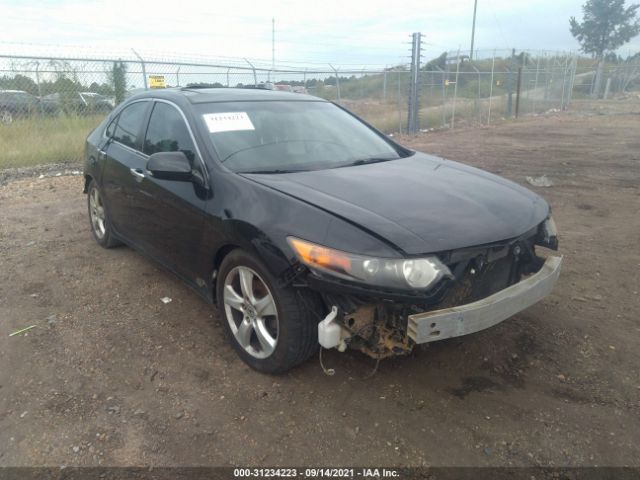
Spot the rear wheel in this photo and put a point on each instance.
(100, 225)
(269, 326)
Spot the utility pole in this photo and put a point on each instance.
(273, 45)
(519, 91)
(455, 91)
(40, 89)
(414, 85)
(473, 29)
(384, 84)
(510, 84)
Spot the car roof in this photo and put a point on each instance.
(232, 94)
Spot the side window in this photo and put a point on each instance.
(167, 132)
(129, 123)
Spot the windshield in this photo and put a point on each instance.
(286, 136)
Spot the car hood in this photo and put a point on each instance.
(420, 204)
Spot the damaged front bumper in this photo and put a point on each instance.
(487, 312)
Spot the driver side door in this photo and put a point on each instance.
(170, 213)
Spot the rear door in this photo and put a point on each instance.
(124, 167)
(170, 214)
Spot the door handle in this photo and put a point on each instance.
(102, 154)
(138, 173)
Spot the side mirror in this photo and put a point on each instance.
(170, 166)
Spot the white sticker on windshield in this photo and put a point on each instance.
(228, 122)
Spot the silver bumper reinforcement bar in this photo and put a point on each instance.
(473, 317)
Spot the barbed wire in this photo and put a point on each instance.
(61, 91)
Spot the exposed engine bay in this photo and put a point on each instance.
(378, 326)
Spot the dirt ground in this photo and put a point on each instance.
(110, 375)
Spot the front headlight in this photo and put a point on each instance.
(550, 229)
(549, 234)
(416, 273)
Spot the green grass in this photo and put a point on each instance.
(37, 141)
(380, 114)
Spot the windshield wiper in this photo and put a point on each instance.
(271, 171)
(368, 160)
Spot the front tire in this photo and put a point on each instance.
(269, 326)
(98, 218)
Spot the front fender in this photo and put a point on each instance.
(258, 219)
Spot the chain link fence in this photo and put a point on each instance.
(48, 104)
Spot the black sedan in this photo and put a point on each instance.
(308, 227)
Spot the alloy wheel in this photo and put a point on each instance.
(96, 211)
(251, 312)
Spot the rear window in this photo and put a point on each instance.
(129, 125)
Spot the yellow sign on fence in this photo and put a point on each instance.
(156, 81)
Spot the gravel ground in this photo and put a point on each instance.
(111, 375)
(41, 171)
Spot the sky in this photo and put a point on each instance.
(340, 32)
